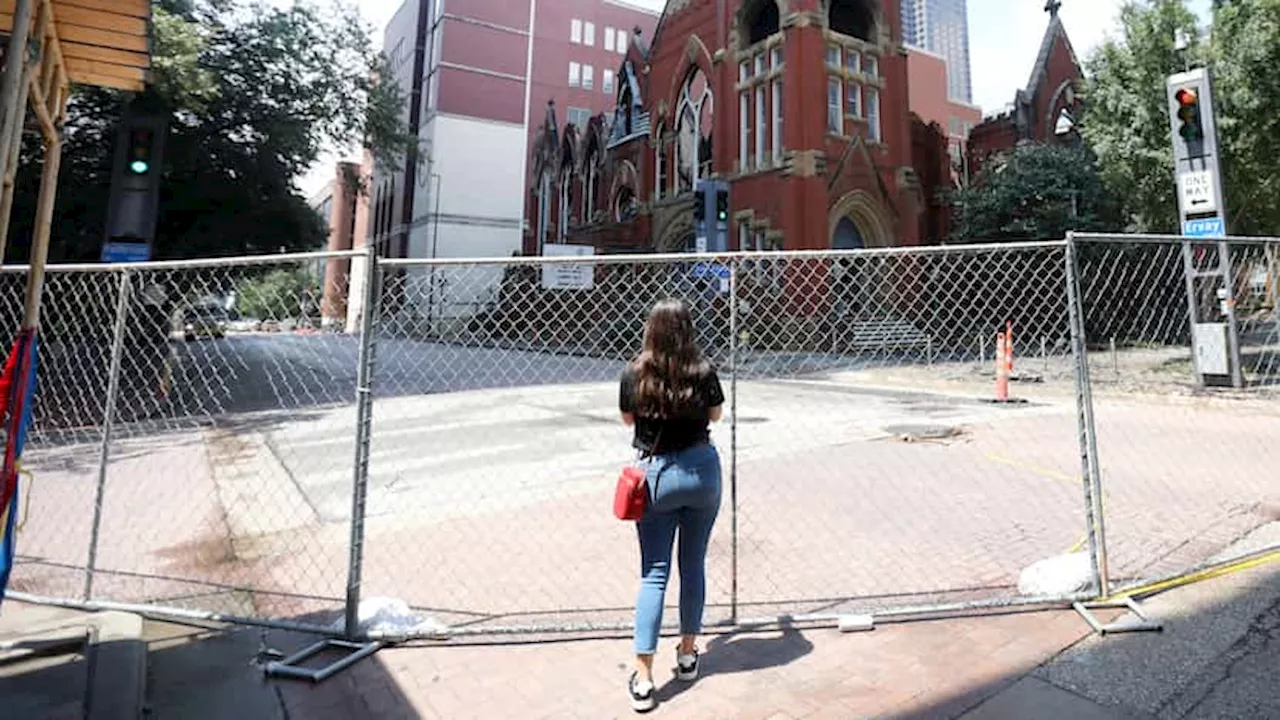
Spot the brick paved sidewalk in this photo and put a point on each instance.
(924, 669)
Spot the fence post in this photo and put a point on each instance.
(108, 421)
(364, 426)
(1087, 436)
(733, 440)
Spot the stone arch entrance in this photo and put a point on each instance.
(860, 283)
(847, 236)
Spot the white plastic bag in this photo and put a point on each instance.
(1058, 575)
(393, 618)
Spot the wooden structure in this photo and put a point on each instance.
(106, 43)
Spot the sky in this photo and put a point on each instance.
(1004, 38)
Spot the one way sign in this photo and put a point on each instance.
(1197, 191)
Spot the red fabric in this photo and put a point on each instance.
(631, 496)
(8, 382)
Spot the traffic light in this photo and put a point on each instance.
(699, 206)
(722, 205)
(1190, 128)
(141, 140)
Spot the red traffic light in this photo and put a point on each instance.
(1186, 97)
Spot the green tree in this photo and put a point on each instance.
(1035, 192)
(1127, 119)
(282, 294)
(1244, 54)
(254, 93)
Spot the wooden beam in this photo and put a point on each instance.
(77, 68)
(107, 81)
(80, 51)
(104, 38)
(67, 16)
(40, 104)
(132, 8)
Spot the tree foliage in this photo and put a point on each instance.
(1035, 192)
(254, 93)
(280, 294)
(1127, 120)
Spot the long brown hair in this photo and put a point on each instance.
(670, 365)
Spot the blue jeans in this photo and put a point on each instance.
(684, 495)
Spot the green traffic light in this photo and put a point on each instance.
(139, 167)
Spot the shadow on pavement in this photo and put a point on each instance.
(741, 652)
(1215, 659)
(178, 671)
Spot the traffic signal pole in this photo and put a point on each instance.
(1203, 213)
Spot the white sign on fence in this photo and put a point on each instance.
(1197, 190)
(568, 276)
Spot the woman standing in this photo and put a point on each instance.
(670, 394)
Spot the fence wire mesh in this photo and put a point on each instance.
(197, 437)
(497, 431)
(213, 494)
(1188, 469)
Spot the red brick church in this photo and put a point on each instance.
(1047, 110)
(800, 106)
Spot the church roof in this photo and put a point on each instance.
(1051, 35)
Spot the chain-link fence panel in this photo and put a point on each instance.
(875, 468)
(194, 429)
(58, 467)
(1188, 468)
(497, 437)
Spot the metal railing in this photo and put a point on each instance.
(254, 440)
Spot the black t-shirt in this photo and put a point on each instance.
(676, 433)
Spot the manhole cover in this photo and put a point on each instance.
(743, 420)
(912, 433)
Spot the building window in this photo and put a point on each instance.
(566, 187)
(761, 118)
(578, 117)
(871, 66)
(588, 77)
(744, 71)
(775, 58)
(777, 120)
(760, 67)
(660, 163)
(575, 74)
(873, 115)
(695, 118)
(744, 130)
(575, 31)
(852, 18)
(606, 83)
(853, 61)
(854, 98)
(835, 122)
(833, 56)
(761, 20)
(589, 34)
(608, 38)
(544, 209)
(622, 43)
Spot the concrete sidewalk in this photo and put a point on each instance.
(1215, 659)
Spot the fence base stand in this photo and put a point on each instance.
(1142, 624)
(290, 667)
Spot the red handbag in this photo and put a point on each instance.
(631, 495)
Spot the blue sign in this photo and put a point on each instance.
(125, 252)
(1204, 227)
(705, 269)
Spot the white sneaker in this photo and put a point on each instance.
(642, 694)
(687, 665)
